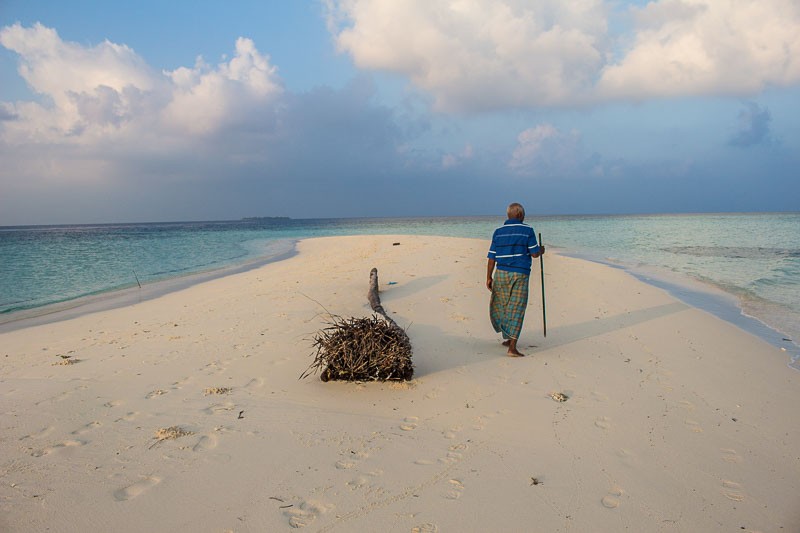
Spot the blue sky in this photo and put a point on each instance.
(154, 111)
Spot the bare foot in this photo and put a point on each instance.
(512, 349)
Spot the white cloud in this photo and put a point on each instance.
(108, 136)
(475, 55)
(93, 95)
(55, 68)
(204, 98)
(695, 47)
(544, 151)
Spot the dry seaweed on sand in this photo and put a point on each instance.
(362, 349)
(170, 433)
(65, 361)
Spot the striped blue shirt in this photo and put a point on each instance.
(512, 246)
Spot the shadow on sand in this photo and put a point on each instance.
(471, 350)
(401, 290)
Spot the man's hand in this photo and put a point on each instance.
(489, 271)
(489, 283)
(540, 252)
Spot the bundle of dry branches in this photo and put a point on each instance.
(362, 349)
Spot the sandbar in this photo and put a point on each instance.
(185, 412)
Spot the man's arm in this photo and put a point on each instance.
(489, 271)
(533, 243)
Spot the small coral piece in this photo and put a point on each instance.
(559, 396)
(217, 390)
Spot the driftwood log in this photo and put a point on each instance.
(374, 298)
(363, 349)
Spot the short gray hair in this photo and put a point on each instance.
(515, 210)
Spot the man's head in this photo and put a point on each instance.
(516, 211)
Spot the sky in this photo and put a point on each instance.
(209, 110)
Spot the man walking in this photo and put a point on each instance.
(513, 245)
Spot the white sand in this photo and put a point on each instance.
(676, 421)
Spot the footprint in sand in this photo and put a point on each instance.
(452, 432)
(345, 465)
(184, 381)
(730, 455)
(611, 500)
(433, 394)
(732, 490)
(603, 422)
(305, 513)
(458, 447)
(254, 383)
(219, 408)
(38, 434)
(425, 528)
(132, 415)
(686, 404)
(364, 480)
(58, 447)
(205, 443)
(88, 427)
(450, 458)
(693, 426)
(456, 488)
(599, 396)
(357, 483)
(64, 395)
(132, 491)
(410, 423)
(627, 457)
(213, 368)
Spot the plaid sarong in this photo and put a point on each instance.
(508, 303)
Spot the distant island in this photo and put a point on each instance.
(251, 219)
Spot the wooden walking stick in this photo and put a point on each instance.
(541, 265)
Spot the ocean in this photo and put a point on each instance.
(744, 268)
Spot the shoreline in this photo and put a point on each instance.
(697, 293)
(185, 412)
(710, 298)
(728, 307)
(117, 298)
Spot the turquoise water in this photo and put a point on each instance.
(43, 265)
(755, 258)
